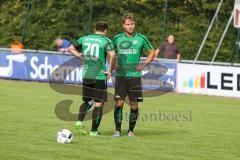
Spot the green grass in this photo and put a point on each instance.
(29, 126)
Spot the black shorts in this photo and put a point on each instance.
(94, 90)
(128, 86)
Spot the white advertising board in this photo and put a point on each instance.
(208, 80)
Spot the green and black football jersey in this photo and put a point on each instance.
(129, 50)
(94, 48)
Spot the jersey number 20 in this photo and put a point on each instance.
(91, 50)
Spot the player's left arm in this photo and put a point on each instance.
(151, 55)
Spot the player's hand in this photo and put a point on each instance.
(116, 67)
(80, 57)
(108, 74)
(140, 66)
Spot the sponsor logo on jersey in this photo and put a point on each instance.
(128, 51)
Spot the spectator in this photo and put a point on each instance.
(17, 47)
(169, 49)
(62, 44)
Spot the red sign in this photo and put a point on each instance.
(237, 14)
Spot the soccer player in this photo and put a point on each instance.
(129, 45)
(95, 48)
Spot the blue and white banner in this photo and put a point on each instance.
(33, 66)
(39, 67)
(160, 76)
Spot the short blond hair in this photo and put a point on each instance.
(128, 16)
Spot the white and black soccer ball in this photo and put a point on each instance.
(64, 136)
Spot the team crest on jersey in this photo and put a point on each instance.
(135, 41)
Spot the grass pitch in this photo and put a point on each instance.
(194, 128)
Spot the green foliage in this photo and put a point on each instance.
(188, 20)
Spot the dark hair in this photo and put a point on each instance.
(128, 16)
(101, 26)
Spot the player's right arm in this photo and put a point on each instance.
(115, 66)
(73, 49)
(111, 57)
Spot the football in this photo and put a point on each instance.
(64, 136)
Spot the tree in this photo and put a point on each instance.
(188, 20)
